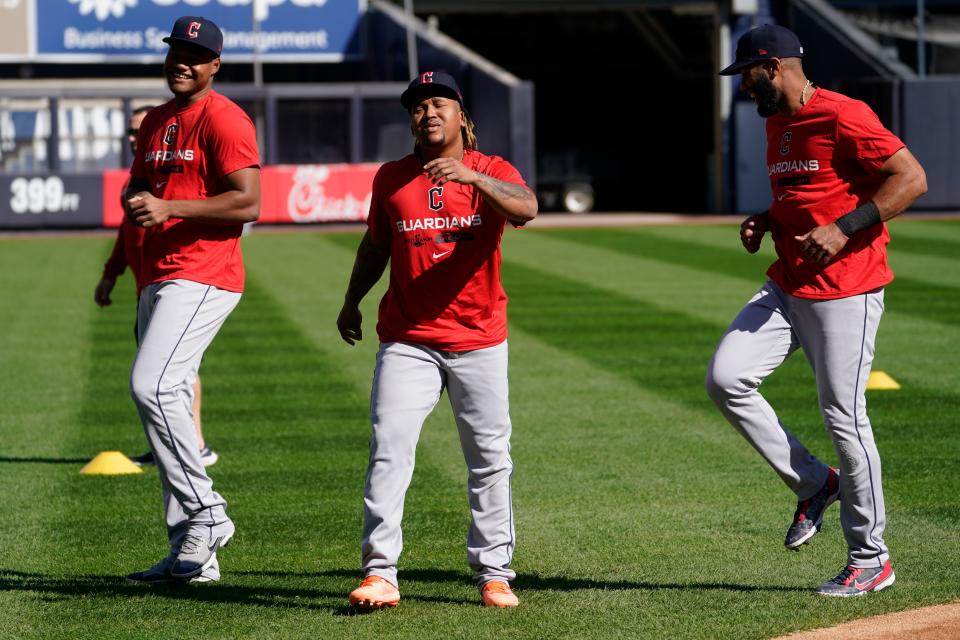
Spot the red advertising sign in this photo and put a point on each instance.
(316, 193)
(290, 194)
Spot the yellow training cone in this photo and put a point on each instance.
(110, 463)
(880, 381)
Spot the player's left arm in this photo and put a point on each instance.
(240, 202)
(515, 202)
(904, 180)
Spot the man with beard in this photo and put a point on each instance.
(195, 181)
(837, 176)
(437, 216)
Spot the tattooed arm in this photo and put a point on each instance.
(367, 269)
(514, 202)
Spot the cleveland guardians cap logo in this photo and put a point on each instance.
(170, 135)
(196, 30)
(428, 84)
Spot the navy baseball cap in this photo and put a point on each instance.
(428, 84)
(197, 31)
(763, 43)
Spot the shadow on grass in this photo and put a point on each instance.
(55, 588)
(37, 460)
(535, 582)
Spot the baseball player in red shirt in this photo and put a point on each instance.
(837, 175)
(126, 253)
(195, 180)
(437, 216)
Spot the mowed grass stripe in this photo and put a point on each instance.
(907, 226)
(44, 346)
(929, 300)
(907, 259)
(909, 344)
(720, 297)
(676, 288)
(927, 245)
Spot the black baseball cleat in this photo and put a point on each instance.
(858, 581)
(146, 458)
(808, 518)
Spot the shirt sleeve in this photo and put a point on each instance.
(378, 222)
(233, 141)
(503, 170)
(137, 170)
(117, 261)
(861, 134)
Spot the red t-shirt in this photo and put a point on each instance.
(444, 241)
(185, 154)
(823, 162)
(127, 249)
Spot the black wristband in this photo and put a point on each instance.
(866, 215)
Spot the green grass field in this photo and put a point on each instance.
(640, 512)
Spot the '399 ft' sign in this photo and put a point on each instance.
(45, 200)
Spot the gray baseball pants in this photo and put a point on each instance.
(837, 337)
(407, 385)
(177, 321)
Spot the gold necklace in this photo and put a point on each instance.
(803, 93)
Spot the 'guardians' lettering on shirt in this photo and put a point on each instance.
(455, 222)
(790, 166)
(166, 156)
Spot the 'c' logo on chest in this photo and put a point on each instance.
(433, 199)
(785, 142)
(170, 136)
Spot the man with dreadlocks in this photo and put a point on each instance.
(437, 216)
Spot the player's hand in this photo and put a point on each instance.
(822, 243)
(443, 170)
(101, 295)
(146, 210)
(348, 323)
(752, 230)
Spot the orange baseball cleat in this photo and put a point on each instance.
(374, 593)
(497, 593)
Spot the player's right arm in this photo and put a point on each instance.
(752, 230)
(114, 267)
(369, 266)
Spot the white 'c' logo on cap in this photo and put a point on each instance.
(426, 77)
(194, 29)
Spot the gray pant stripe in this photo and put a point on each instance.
(856, 424)
(173, 440)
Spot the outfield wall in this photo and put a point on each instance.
(290, 194)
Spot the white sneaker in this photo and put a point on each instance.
(160, 573)
(198, 551)
(208, 456)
